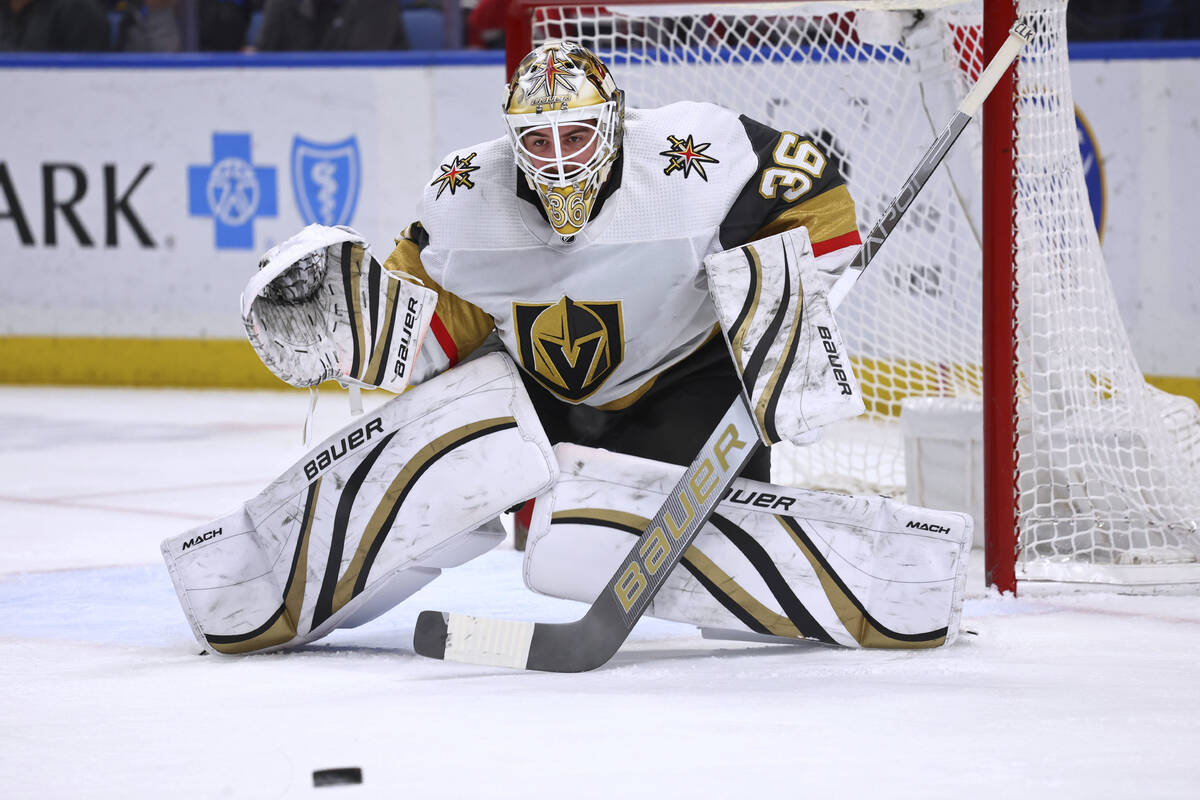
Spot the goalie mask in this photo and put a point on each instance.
(564, 115)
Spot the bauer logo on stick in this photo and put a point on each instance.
(672, 529)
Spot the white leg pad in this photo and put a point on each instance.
(369, 516)
(773, 561)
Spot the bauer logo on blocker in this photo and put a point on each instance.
(326, 180)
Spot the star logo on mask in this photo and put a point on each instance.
(688, 156)
(553, 75)
(454, 175)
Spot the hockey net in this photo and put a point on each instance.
(1103, 480)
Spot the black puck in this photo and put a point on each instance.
(338, 776)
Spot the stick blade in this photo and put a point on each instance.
(429, 638)
(473, 640)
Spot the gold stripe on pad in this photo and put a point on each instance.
(285, 625)
(621, 519)
(387, 323)
(739, 335)
(778, 376)
(378, 526)
(774, 623)
(852, 617)
(357, 312)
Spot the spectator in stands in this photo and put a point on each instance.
(1112, 20)
(222, 24)
(145, 26)
(332, 25)
(485, 24)
(49, 26)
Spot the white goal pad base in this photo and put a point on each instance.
(772, 561)
(369, 516)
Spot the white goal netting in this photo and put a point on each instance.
(1108, 467)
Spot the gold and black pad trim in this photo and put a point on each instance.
(767, 405)
(337, 592)
(282, 625)
(352, 257)
(377, 368)
(764, 409)
(742, 323)
(796, 622)
(323, 609)
(803, 621)
(865, 629)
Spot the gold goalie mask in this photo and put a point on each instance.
(564, 115)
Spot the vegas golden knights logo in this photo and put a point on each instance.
(570, 348)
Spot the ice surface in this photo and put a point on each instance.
(103, 695)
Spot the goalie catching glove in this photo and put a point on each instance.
(322, 308)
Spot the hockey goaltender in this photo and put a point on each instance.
(579, 303)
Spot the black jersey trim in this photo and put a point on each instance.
(750, 211)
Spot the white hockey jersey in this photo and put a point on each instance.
(596, 317)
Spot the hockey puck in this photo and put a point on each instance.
(338, 776)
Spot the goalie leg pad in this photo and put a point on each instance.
(772, 561)
(369, 516)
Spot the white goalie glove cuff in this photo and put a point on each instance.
(321, 307)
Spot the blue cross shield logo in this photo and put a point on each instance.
(326, 178)
(232, 191)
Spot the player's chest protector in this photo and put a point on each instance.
(592, 322)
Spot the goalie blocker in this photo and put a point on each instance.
(772, 301)
(772, 562)
(368, 517)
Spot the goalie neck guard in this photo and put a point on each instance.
(565, 117)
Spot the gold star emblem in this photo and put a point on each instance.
(552, 74)
(686, 155)
(455, 174)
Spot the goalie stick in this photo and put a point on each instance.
(592, 640)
